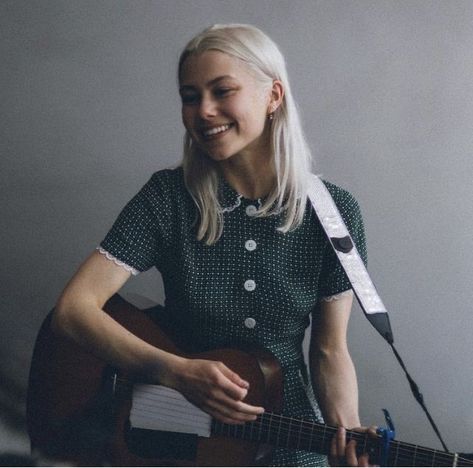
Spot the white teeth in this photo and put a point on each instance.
(215, 130)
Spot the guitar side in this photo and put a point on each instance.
(77, 413)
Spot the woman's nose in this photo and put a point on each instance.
(207, 108)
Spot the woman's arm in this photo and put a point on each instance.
(333, 374)
(334, 377)
(79, 314)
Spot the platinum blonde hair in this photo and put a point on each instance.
(290, 152)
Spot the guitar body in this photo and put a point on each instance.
(77, 409)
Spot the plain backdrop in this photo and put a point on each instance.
(89, 109)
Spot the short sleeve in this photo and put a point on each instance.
(333, 279)
(141, 233)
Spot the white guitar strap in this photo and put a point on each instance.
(368, 298)
(349, 257)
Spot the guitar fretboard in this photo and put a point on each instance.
(301, 434)
(160, 408)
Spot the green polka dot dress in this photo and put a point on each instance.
(255, 285)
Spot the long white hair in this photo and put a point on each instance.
(290, 152)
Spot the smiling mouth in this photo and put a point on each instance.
(214, 132)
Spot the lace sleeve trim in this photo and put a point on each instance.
(109, 256)
(336, 297)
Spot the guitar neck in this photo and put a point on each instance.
(301, 434)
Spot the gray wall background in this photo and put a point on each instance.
(89, 109)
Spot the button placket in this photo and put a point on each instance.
(250, 284)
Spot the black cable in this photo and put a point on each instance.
(418, 396)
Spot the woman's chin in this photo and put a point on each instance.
(218, 156)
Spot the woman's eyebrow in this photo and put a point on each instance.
(219, 78)
(209, 83)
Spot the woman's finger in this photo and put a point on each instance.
(350, 454)
(236, 405)
(341, 441)
(337, 448)
(364, 460)
(232, 383)
(233, 407)
(234, 377)
(220, 410)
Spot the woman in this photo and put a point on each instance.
(242, 256)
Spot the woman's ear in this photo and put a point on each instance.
(276, 96)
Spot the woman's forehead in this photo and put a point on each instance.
(211, 66)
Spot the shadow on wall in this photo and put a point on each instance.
(12, 398)
(14, 449)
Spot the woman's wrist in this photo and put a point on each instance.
(167, 368)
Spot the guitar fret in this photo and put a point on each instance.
(332, 432)
(300, 432)
(279, 432)
(365, 444)
(270, 426)
(323, 437)
(288, 433)
(397, 454)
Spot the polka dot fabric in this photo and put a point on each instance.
(254, 286)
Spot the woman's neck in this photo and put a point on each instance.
(251, 178)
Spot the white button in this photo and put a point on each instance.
(250, 245)
(251, 210)
(250, 285)
(250, 322)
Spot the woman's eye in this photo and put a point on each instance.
(189, 98)
(223, 91)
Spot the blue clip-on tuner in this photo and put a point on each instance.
(387, 435)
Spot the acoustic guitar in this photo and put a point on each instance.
(78, 410)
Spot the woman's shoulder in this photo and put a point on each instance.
(338, 192)
(169, 176)
(344, 199)
(166, 181)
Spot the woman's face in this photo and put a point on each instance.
(224, 108)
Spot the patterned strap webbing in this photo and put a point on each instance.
(349, 257)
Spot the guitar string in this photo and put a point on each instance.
(308, 432)
(285, 426)
(401, 452)
(397, 453)
(312, 436)
(402, 447)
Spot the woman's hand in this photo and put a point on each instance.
(216, 389)
(344, 454)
